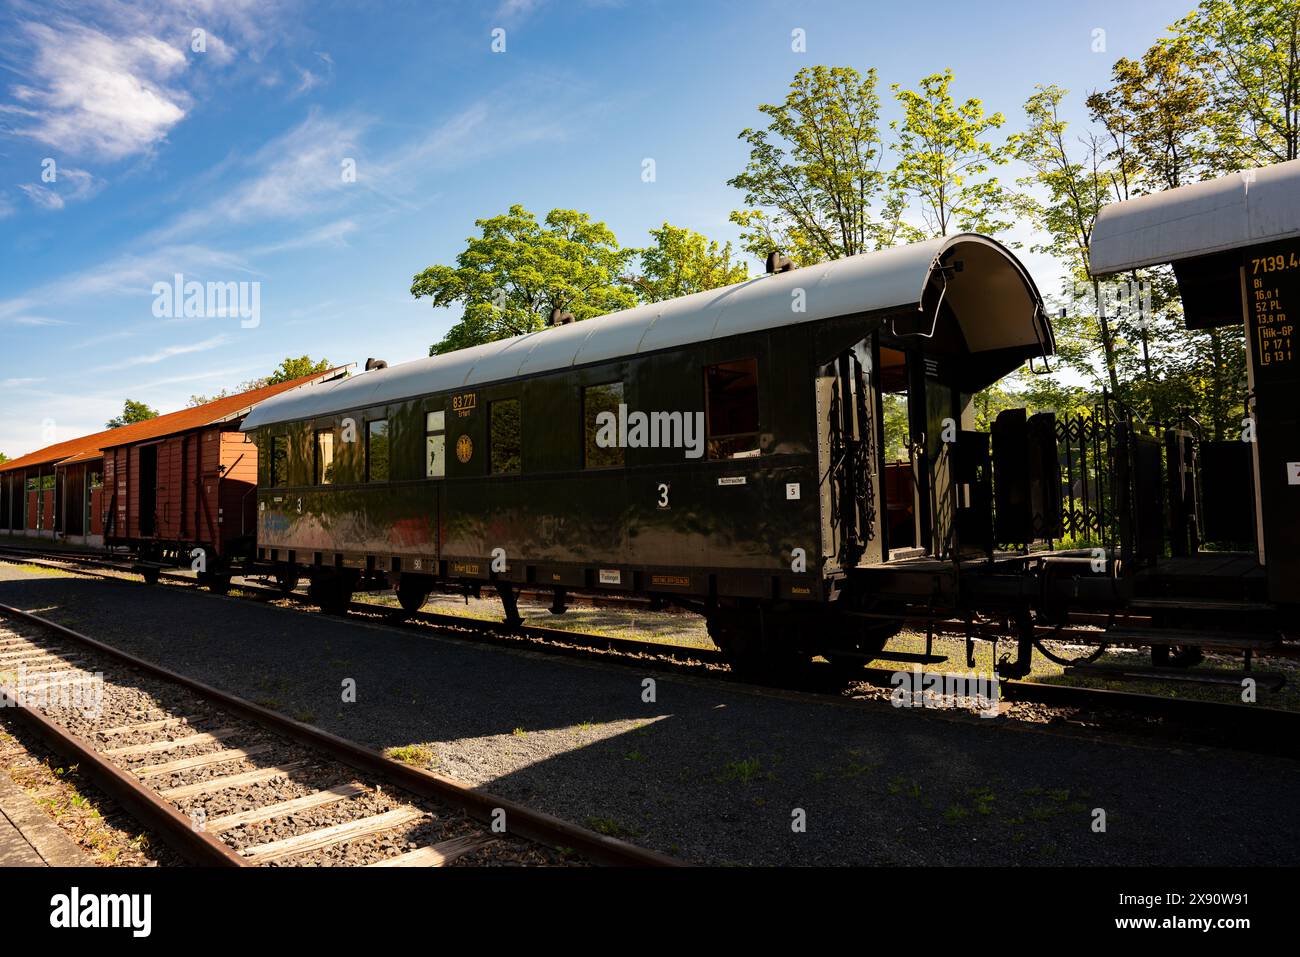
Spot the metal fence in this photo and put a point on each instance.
(1086, 444)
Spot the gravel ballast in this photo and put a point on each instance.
(705, 770)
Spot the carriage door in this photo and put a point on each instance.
(847, 411)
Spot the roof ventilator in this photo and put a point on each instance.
(776, 262)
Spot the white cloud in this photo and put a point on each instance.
(95, 94)
(70, 186)
(38, 321)
(307, 81)
(292, 176)
(131, 275)
(167, 352)
(331, 234)
(113, 82)
(510, 10)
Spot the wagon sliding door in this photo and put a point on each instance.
(848, 464)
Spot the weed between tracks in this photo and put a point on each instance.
(110, 837)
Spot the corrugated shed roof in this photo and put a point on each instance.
(90, 447)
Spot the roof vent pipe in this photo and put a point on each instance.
(776, 262)
(375, 364)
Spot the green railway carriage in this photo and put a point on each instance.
(725, 450)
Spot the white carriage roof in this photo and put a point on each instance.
(992, 295)
(1241, 209)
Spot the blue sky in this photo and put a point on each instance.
(226, 165)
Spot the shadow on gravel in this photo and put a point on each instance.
(708, 772)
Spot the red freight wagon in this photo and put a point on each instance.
(185, 491)
(183, 488)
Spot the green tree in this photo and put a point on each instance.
(1076, 186)
(3, 458)
(1158, 107)
(132, 412)
(945, 160)
(288, 370)
(509, 279)
(680, 262)
(1159, 116)
(814, 178)
(1248, 57)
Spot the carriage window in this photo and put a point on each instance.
(503, 442)
(731, 402)
(598, 452)
(325, 457)
(435, 444)
(279, 461)
(377, 451)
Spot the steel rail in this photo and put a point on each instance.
(520, 820)
(144, 804)
(1269, 730)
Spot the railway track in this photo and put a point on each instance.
(1254, 728)
(227, 782)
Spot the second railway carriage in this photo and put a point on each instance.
(725, 450)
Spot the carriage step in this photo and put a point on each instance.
(1269, 680)
(910, 657)
(1199, 639)
(1188, 604)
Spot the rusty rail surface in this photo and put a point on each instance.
(520, 820)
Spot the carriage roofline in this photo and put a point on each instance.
(1242, 209)
(995, 301)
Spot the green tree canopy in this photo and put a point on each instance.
(132, 412)
(1074, 184)
(945, 160)
(1159, 116)
(1156, 113)
(814, 180)
(680, 262)
(286, 371)
(3, 458)
(510, 277)
(290, 369)
(1248, 56)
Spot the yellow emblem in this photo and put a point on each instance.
(464, 449)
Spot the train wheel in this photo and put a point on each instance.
(756, 650)
(1176, 656)
(411, 599)
(286, 581)
(333, 595)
